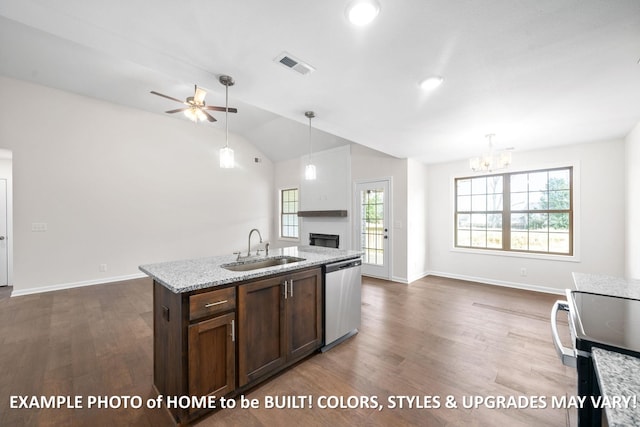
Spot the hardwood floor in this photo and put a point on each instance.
(435, 337)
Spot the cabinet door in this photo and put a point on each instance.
(304, 313)
(261, 328)
(212, 356)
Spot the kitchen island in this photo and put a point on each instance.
(219, 332)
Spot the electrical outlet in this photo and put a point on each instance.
(523, 271)
(102, 268)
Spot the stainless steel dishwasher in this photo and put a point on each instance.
(342, 301)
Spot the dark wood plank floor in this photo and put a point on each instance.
(434, 337)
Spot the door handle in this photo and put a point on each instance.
(291, 288)
(285, 289)
(1, 237)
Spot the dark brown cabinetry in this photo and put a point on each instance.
(212, 356)
(223, 341)
(279, 322)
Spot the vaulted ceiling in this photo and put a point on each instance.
(535, 73)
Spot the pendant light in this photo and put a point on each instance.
(226, 153)
(310, 168)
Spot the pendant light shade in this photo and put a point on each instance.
(226, 153)
(310, 168)
(310, 172)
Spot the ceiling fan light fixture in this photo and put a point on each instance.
(362, 12)
(430, 83)
(195, 114)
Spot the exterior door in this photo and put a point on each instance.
(4, 261)
(372, 227)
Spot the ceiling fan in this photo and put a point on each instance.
(196, 108)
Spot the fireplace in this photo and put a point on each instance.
(326, 240)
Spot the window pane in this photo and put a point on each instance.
(479, 221)
(519, 240)
(464, 203)
(559, 200)
(538, 181)
(464, 238)
(539, 222)
(479, 239)
(559, 179)
(559, 243)
(494, 221)
(519, 222)
(519, 182)
(538, 200)
(494, 239)
(494, 184)
(519, 201)
(464, 186)
(559, 221)
(538, 242)
(479, 185)
(464, 221)
(494, 202)
(479, 203)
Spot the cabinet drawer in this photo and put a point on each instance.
(202, 305)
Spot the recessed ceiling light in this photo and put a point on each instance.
(431, 83)
(362, 12)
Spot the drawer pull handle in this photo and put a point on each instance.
(211, 304)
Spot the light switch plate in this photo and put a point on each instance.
(38, 226)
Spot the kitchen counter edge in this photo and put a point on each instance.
(203, 273)
(614, 377)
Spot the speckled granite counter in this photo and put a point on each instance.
(607, 285)
(617, 373)
(618, 376)
(201, 273)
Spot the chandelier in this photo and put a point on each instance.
(491, 160)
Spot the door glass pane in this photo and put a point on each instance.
(372, 226)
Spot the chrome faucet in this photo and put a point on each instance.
(250, 233)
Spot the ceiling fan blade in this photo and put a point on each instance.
(209, 116)
(177, 110)
(210, 107)
(199, 95)
(168, 97)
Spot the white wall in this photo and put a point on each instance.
(417, 218)
(632, 156)
(121, 187)
(600, 230)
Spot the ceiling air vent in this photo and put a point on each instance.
(294, 64)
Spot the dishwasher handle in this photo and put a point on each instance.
(566, 355)
(337, 266)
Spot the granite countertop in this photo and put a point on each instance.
(201, 273)
(617, 376)
(607, 285)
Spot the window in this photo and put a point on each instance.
(523, 211)
(289, 213)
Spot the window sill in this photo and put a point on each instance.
(547, 257)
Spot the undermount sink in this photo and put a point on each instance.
(255, 264)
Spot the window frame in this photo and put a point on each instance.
(506, 212)
(282, 214)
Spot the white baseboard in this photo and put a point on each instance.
(506, 284)
(29, 291)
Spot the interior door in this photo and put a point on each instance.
(372, 227)
(4, 262)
